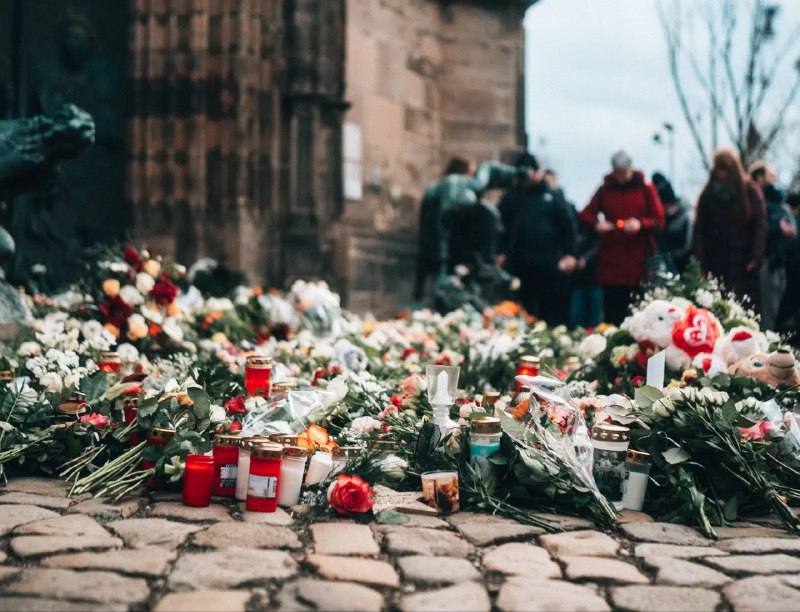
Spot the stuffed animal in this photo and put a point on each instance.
(654, 323)
(696, 333)
(738, 343)
(709, 363)
(775, 369)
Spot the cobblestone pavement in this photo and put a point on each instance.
(155, 553)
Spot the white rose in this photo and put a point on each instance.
(394, 467)
(365, 424)
(51, 382)
(173, 329)
(29, 349)
(144, 283)
(131, 296)
(217, 414)
(591, 346)
(72, 380)
(323, 352)
(92, 329)
(128, 353)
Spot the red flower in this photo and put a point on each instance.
(637, 381)
(235, 405)
(164, 291)
(98, 420)
(132, 258)
(408, 352)
(396, 400)
(116, 311)
(641, 359)
(349, 494)
(319, 373)
(759, 431)
(235, 427)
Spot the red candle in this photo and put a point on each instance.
(265, 469)
(109, 362)
(226, 461)
(130, 406)
(158, 436)
(257, 374)
(528, 366)
(198, 479)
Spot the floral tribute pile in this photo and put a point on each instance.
(722, 433)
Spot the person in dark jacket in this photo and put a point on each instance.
(675, 240)
(789, 313)
(625, 211)
(507, 205)
(730, 227)
(781, 234)
(540, 248)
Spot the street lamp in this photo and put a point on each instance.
(669, 128)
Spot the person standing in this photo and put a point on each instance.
(625, 211)
(789, 312)
(540, 248)
(730, 227)
(675, 240)
(781, 233)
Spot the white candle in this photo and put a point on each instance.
(291, 480)
(242, 473)
(441, 397)
(319, 467)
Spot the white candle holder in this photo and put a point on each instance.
(442, 387)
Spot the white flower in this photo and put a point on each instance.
(91, 329)
(131, 296)
(153, 315)
(704, 298)
(128, 353)
(323, 352)
(221, 304)
(351, 357)
(591, 346)
(394, 467)
(72, 380)
(173, 329)
(144, 283)
(217, 414)
(29, 349)
(364, 425)
(51, 382)
(242, 295)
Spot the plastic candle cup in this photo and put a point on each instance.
(610, 444)
(528, 366)
(226, 463)
(257, 375)
(341, 455)
(265, 471)
(293, 466)
(637, 473)
(198, 479)
(320, 466)
(109, 362)
(440, 490)
(243, 465)
(484, 438)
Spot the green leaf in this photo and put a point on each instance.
(731, 510)
(391, 517)
(647, 396)
(202, 404)
(94, 385)
(676, 455)
(729, 412)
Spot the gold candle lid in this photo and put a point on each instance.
(295, 451)
(226, 440)
(283, 386)
(259, 362)
(267, 450)
(486, 425)
(605, 432)
(110, 357)
(530, 361)
(346, 452)
(285, 439)
(160, 433)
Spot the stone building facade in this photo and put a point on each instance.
(294, 138)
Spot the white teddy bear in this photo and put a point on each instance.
(739, 343)
(709, 363)
(654, 322)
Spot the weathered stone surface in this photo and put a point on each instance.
(793, 580)
(437, 570)
(243, 535)
(141, 532)
(431, 542)
(279, 517)
(102, 587)
(760, 545)
(756, 564)
(344, 539)
(727, 533)
(122, 509)
(230, 567)
(13, 516)
(761, 593)
(35, 604)
(7, 572)
(485, 529)
(27, 546)
(353, 569)
(152, 561)
(37, 486)
(177, 510)
(414, 520)
(665, 533)
(632, 516)
(43, 501)
(676, 552)
(328, 596)
(70, 524)
(467, 597)
(3, 556)
(678, 599)
(580, 544)
(517, 559)
(685, 573)
(522, 594)
(610, 570)
(566, 522)
(223, 601)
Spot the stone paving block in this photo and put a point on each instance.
(517, 559)
(761, 593)
(676, 599)
(677, 552)
(279, 517)
(437, 570)
(610, 570)
(243, 535)
(685, 573)
(485, 529)
(28, 546)
(565, 521)
(13, 516)
(7, 572)
(760, 545)
(214, 512)
(72, 524)
(220, 601)
(414, 520)
(43, 501)
(230, 567)
(3, 556)
(664, 533)
(52, 487)
(524, 594)
(632, 516)
(432, 542)
(152, 561)
(122, 509)
(100, 587)
(465, 597)
(141, 532)
(35, 604)
(580, 544)
(727, 533)
(354, 569)
(328, 596)
(344, 539)
(756, 564)
(793, 580)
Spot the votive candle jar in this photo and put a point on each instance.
(243, 465)
(226, 462)
(257, 375)
(110, 362)
(610, 445)
(265, 472)
(319, 468)
(637, 474)
(484, 438)
(198, 478)
(528, 366)
(440, 490)
(293, 466)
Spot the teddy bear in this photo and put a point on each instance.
(775, 369)
(696, 333)
(654, 322)
(709, 363)
(738, 343)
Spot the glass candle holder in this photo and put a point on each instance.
(226, 462)
(528, 366)
(198, 479)
(110, 362)
(293, 465)
(265, 471)
(440, 490)
(257, 375)
(610, 445)
(442, 388)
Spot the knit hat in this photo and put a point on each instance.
(664, 188)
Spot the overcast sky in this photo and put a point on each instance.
(597, 80)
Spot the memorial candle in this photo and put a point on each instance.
(257, 374)
(198, 478)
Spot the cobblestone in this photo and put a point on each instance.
(437, 570)
(280, 517)
(214, 512)
(434, 542)
(353, 569)
(485, 529)
(220, 601)
(523, 594)
(100, 587)
(676, 599)
(677, 552)
(28, 546)
(664, 533)
(72, 524)
(225, 535)
(468, 597)
(516, 559)
(14, 516)
(145, 561)
(580, 543)
(230, 567)
(344, 539)
(329, 596)
(122, 509)
(43, 501)
(761, 593)
(36, 604)
(761, 564)
(685, 573)
(760, 545)
(38, 486)
(140, 532)
(610, 570)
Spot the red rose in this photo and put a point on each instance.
(116, 311)
(235, 405)
(98, 420)
(164, 291)
(132, 258)
(637, 381)
(235, 427)
(349, 494)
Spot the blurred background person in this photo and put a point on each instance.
(586, 304)
(789, 311)
(781, 234)
(507, 207)
(674, 242)
(625, 211)
(730, 227)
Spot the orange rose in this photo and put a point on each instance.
(111, 287)
(350, 494)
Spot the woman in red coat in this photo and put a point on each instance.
(624, 212)
(730, 229)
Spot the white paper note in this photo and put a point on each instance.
(655, 370)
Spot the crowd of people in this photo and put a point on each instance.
(579, 267)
